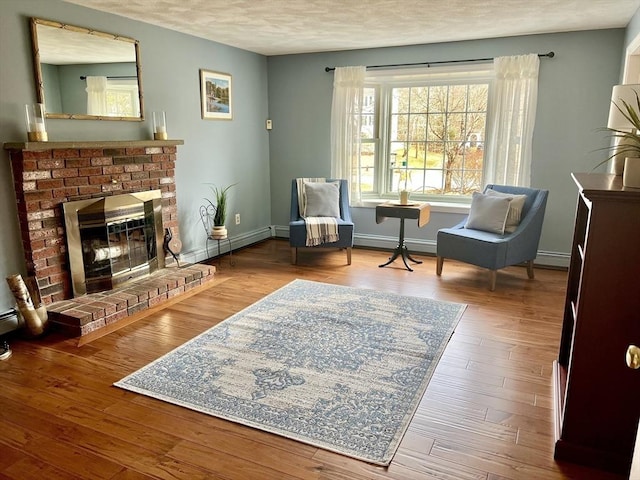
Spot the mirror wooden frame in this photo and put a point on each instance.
(37, 69)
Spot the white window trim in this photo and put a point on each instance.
(436, 206)
(399, 77)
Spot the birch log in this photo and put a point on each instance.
(34, 290)
(34, 323)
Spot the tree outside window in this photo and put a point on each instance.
(427, 137)
(122, 98)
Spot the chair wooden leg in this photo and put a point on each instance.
(492, 279)
(348, 255)
(439, 262)
(530, 269)
(294, 255)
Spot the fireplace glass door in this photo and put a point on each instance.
(112, 240)
(115, 250)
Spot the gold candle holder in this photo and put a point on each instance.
(37, 136)
(34, 116)
(159, 126)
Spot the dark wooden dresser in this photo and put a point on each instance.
(596, 395)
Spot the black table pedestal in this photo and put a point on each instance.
(417, 211)
(401, 250)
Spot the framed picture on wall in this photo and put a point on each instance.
(215, 95)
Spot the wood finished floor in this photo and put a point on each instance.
(486, 415)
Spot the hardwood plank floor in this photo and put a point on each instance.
(486, 414)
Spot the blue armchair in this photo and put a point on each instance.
(492, 250)
(298, 231)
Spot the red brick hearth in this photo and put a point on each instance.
(88, 313)
(48, 174)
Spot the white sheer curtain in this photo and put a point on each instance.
(513, 104)
(348, 93)
(96, 95)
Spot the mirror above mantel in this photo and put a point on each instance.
(85, 74)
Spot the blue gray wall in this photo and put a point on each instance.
(52, 91)
(573, 102)
(633, 29)
(216, 151)
(295, 92)
(71, 90)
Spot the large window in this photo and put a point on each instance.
(424, 132)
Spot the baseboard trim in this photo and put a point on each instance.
(9, 321)
(236, 241)
(544, 258)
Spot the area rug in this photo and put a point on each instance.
(335, 367)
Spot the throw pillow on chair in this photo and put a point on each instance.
(321, 199)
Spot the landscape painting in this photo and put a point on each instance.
(215, 93)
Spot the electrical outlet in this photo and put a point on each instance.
(237, 219)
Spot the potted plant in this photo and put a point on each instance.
(626, 146)
(219, 206)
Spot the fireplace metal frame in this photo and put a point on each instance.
(76, 262)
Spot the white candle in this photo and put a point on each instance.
(36, 127)
(161, 129)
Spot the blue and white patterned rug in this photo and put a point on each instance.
(336, 367)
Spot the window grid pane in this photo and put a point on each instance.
(436, 138)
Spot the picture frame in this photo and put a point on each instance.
(216, 95)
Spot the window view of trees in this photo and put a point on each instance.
(432, 141)
(436, 138)
(122, 98)
(120, 103)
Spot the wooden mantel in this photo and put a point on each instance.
(41, 146)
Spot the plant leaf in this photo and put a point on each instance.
(626, 143)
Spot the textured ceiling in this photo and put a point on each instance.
(276, 27)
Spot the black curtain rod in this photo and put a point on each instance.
(428, 64)
(124, 77)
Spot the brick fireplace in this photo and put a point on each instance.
(48, 174)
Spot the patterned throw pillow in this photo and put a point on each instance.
(515, 208)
